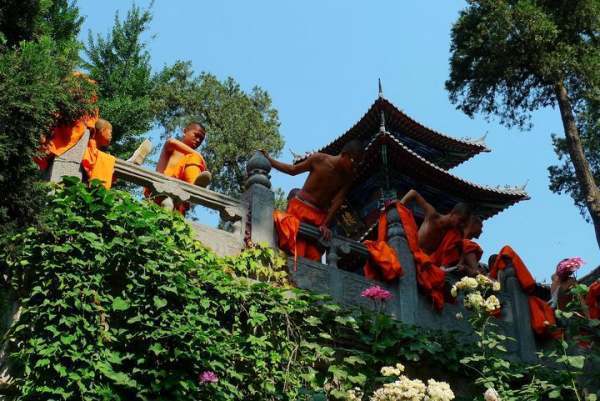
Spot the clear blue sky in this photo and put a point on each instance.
(320, 61)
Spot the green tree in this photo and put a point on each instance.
(237, 122)
(38, 53)
(120, 63)
(511, 57)
(562, 177)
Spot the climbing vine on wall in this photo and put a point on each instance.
(120, 303)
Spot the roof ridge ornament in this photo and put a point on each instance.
(480, 141)
(522, 187)
(381, 121)
(380, 93)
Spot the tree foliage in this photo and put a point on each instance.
(120, 303)
(511, 57)
(237, 122)
(38, 52)
(562, 176)
(120, 63)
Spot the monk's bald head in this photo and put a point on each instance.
(193, 134)
(103, 133)
(474, 227)
(354, 150)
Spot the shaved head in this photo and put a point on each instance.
(103, 133)
(103, 124)
(194, 124)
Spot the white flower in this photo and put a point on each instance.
(459, 316)
(474, 300)
(392, 371)
(467, 283)
(438, 391)
(454, 291)
(491, 303)
(491, 395)
(482, 280)
(496, 286)
(355, 394)
(403, 389)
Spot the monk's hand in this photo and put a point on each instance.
(325, 232)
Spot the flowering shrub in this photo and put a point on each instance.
(405, 389)
(476, 293)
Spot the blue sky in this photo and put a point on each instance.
(320, 61)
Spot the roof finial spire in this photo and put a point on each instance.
(380, 88)
(382, 121)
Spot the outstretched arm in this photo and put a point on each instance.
(291, 169)
(171, 145)
(414, 196)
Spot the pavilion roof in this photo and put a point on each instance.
(487, 200)
(441, 149)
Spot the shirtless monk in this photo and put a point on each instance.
(471, 252)
(435, 225)
(179, 159)
(324, 191)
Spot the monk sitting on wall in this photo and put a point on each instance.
(179, 159)
(470, 251)
(323, 193)
(96, 163)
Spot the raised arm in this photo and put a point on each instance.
(414, 196)
(291, 169)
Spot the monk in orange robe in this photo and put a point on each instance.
(430, 278)
(543, 321)
(471, 252)
(97, 164)
(64, 137)
(179, 159)
(324, 191)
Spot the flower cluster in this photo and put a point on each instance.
(475, 290)
(355, 394)
(567, 267)
(491, 395)
(208, 377)
(376, 293)
(405, 389)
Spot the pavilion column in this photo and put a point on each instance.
(69, 163)
(259, 201)
(407, 284)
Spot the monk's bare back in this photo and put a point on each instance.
(325, 179)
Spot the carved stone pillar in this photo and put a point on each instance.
(521, 315)
(407, 285)
(259, 201)
(69, 163)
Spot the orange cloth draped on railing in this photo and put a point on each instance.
(98, 164)
(383, 263)
(543, 321)
(431, 278)
(592, 299)
(287, 225)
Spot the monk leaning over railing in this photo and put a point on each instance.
(323, 193)
(179, 159)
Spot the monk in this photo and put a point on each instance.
(179, 159)
(324, 191)
(435, 225)
(96, 163)
(471, 252)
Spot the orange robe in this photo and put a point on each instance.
(287, 225)
(543, 321)
(592, 300)
(470, 246)
(64, 137)
(431, 278)
(98, 164)
(182, 171)
(449, 250)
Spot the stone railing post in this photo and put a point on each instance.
(521, 316)
(259, 201)
(407, 285)
(69, 163)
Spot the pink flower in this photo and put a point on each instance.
(566, 267)
(208, 377)
(376, 293)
